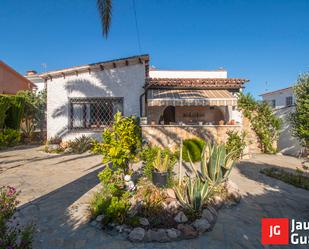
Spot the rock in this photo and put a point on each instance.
(201, 225)
(158, 236)
(143, 222)
(173, 233)
(206, 214)
(127, 178)
(52, 147)
(120, 228)
(181, 217)
(233, 191)
(137, 234)
(100, 218)
(68, 150)
(170, 193)
(187, 231)
(217, 201)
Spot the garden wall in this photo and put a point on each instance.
(170, 135)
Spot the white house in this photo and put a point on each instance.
(83, 99)
(35, 78)
(282, 101)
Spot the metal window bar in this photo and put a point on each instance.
(93, 113)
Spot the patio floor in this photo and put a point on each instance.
(56, 190)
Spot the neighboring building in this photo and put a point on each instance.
(11, 81)
(34, 77)
(83, 100)
(282, 101)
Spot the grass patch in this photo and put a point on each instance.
(296, 179)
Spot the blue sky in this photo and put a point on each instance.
(261, 40)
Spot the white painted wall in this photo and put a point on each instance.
(127, 82)
(280, 97)
(37, 80)
(287, 144)
(187, 74)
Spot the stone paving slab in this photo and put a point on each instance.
(56, 190)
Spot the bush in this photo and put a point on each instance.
(12, 236)
(264, 122)
(81, 144)
(11, 111)
(235, 143)
(193, 148)
(121, 142)
(9, 137)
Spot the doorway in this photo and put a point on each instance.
(169, 115)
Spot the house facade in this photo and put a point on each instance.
(171, 104)
(34, 77)
(11, 81)
(282, 101)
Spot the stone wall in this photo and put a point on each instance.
(170, 135)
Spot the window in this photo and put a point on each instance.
(273, 103)
(289, 101)
(93, 113)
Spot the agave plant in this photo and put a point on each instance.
(193, 194)
(216, 164)
(159, 164)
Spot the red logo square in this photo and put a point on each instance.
(275, 231)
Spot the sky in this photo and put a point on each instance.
(265, 41)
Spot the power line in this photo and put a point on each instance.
(136, 26)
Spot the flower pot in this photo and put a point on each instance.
(159, 178)
(221, 122)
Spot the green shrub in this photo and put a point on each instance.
(9, 137)
(236, 143)
(15, 112)
(4, 106)
(112, 181)
(193, 148)
(81, 144)
(263, 121)
(121, 142)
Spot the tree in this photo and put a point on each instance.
(105, 12)
(300, 117)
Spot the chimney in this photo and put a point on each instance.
(31, 72)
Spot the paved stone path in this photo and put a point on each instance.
(56, 190)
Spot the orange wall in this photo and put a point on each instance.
(11, 82)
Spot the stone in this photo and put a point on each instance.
(173, 233)
(127, 178)
(217, 201)
(201, 225)
(206, 214)
(53, 147)
(170, 193)
(233, 191)
(68, 150)
(144, 222)
(159, 236)
(181, 217)
(137, 234)
(119, 228)
(187, 231)
(100, 218)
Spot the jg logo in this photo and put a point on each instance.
(275, 231)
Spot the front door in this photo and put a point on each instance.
(169, 115)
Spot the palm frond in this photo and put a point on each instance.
(105, 12)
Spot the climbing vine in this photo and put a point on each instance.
(264, 123)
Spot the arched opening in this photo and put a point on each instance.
(169, 115)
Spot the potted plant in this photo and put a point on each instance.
(160, 171)
(221, 122)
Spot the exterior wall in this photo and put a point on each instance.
(11, 82)
(126, 82)
(170, 135)
(38, 81)
(187, 74)
(287, 144)
(280, 97)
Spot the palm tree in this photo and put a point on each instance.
(105, 12)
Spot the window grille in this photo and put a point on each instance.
(289, 101)
(273, 103)
(93, 113)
